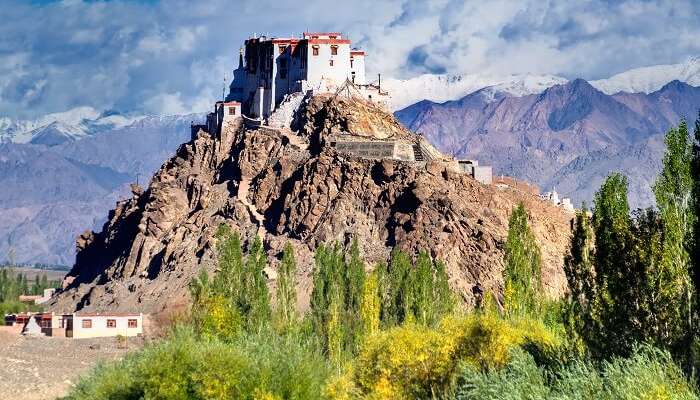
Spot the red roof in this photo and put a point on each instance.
(232, 103)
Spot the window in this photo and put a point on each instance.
(133, 323)
(332, 36)
(111, 323)
(46, 323)
(351, 62)
(353, 76)
(315, 50)
(334, 50)
(232, 110)
(87, 323)
(282, 49)
(331, 63)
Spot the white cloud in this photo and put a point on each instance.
(172, 55)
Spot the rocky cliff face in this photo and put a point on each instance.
(288, 187)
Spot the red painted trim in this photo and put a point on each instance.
(285, 41)
(357, 52)
(329, 41)
(322, 34)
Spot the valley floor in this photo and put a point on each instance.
(46, 368)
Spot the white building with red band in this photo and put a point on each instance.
(269, 69)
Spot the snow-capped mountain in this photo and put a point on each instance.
(67, 126)
(441, 88)
(651, 79)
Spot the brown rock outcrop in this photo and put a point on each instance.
(261, 183)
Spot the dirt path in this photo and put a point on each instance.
(46, 368)
(243, 197)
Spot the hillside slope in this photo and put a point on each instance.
(273, 184)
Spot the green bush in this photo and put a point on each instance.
(648, 374)
(188, 366)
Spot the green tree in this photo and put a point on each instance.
(256, 302)
(674, 193)
(329, 287)
(523, 270)
(611, 222)
(286, 287)
(695, 237)
(370, 306)
(581, 314)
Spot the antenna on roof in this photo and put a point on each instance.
(223, 89)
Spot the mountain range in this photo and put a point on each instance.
(64, 171)
(61, 184)
(569, 137)
(444, 87)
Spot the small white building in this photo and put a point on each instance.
(79, 325)
(92, 325)
(553, 197)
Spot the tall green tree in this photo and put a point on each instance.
(523, 269)
(328, 297)
(613, 241)
(286, 287)
(695, 238)
(674, 197)
(257, 300)
(370, 306)
(579, 267)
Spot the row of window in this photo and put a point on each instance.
(111, 323)
(334, 50)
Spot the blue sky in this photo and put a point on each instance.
(171, 56)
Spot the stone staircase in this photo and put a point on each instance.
(417, 153)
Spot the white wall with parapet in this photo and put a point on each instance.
(320, 68)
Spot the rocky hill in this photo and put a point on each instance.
(292, 186)
(570, 136)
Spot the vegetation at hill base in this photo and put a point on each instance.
(626, 329)
(14, 284)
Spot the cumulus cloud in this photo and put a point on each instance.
(171, 56)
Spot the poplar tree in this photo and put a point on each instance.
(695, 238)
(328, 298)
(256, 304)
(673, 190)
(523, 270)
(354, 281)
(399, 280)
(286, 287)
(370, 306)
(581, 314)
(611, 224)
(422, 288)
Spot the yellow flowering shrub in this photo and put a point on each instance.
(413, 361)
